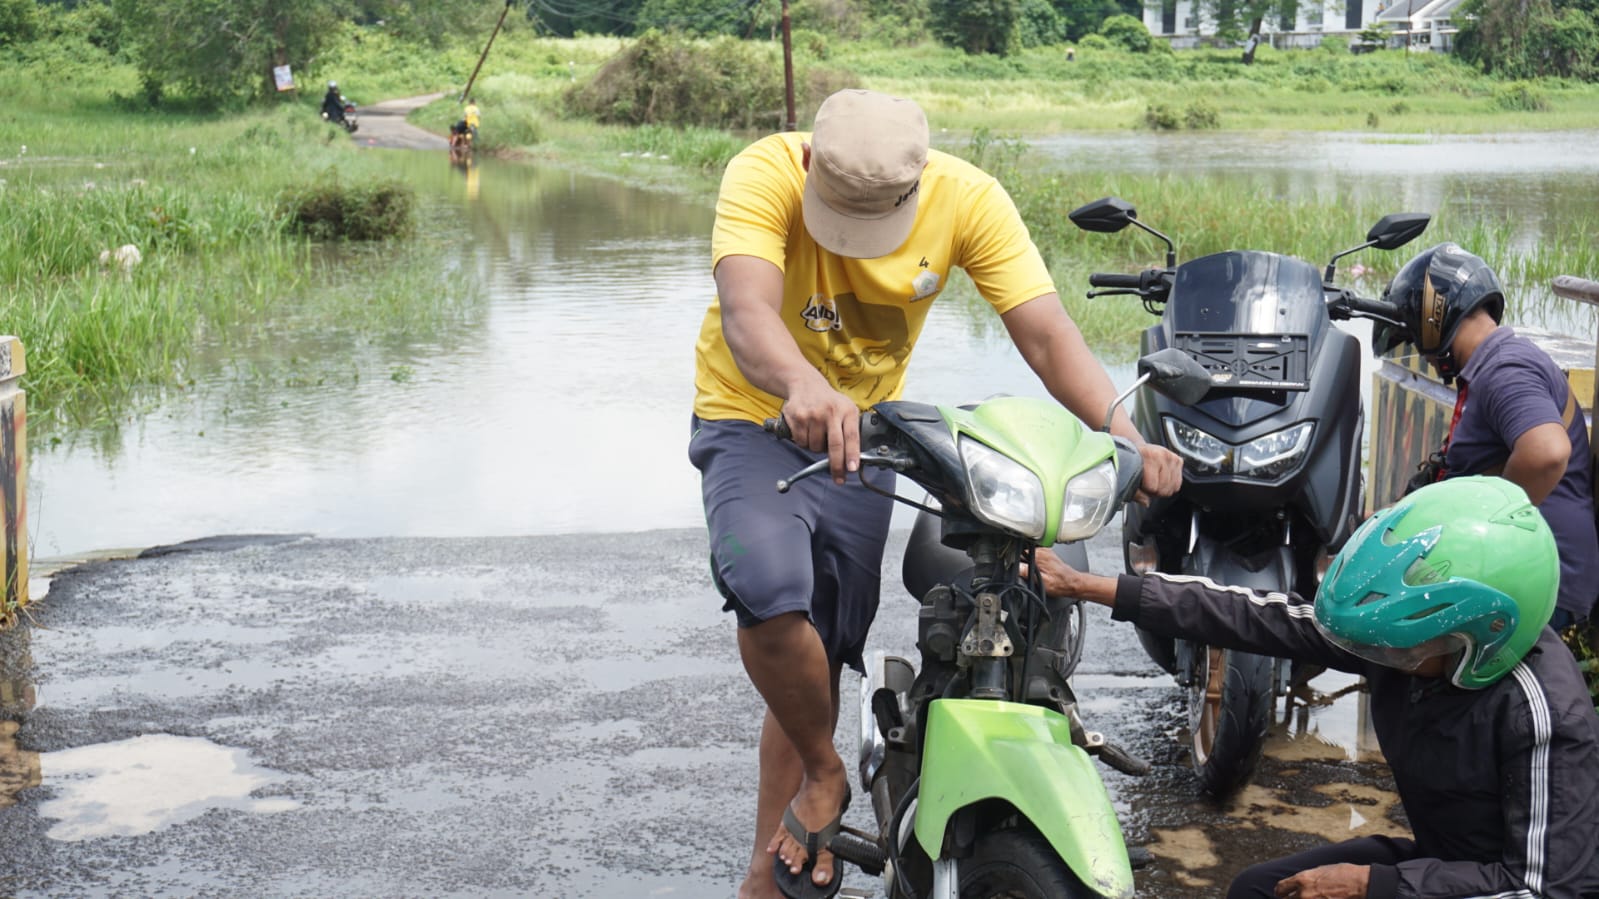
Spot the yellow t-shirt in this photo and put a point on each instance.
(857, 320)
(471, 115)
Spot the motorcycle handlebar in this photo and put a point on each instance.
(1346, 305)
(1111, 279)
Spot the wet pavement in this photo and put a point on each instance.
(542, 716)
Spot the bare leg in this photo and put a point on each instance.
(788, 665)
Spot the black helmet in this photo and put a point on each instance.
(1434, 293)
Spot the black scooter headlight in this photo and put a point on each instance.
(1273, 455)
(1203, 453)
(1266, 458)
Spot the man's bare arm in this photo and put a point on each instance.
(1538, 460)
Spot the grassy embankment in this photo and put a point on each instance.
(204, 199)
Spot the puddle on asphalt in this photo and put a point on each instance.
(144, 784)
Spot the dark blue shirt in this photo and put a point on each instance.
(1513, 387)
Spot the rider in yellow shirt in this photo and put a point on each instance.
(472, 116)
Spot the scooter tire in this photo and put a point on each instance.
(1227, 738)
(1018, 864)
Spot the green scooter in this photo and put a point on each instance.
(978, 765)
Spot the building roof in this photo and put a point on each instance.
(1418, 11)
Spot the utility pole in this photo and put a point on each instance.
(468, 89)
(789, 124)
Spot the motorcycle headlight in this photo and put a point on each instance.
(1090, 501)
(1205, 454)
(1265, 458)
(1275, 454)
(1004, 493)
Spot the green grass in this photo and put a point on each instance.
(202, 198)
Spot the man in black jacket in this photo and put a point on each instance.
(1441, 602)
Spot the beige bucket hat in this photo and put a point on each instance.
(867, 154)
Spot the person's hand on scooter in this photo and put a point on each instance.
(1063, 580)
(1163, 472)
(825, 421)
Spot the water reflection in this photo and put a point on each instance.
(19, 768)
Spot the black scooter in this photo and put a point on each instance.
(1272, 482)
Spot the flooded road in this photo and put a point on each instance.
(540, 716)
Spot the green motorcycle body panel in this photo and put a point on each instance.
(1024, 755)
(1041, 435)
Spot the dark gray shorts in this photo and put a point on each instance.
(817, 549)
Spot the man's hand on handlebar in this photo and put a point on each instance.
(1163, 472)
(824, 420)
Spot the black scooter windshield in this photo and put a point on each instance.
(1248, 292)
(1277, 300)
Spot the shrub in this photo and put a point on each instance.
(1520, 96)
(329, 210)
(1201, 115)
(1126, 31)
(665, 79)
(1161, 117)
(1336, 44)
(1095, 42)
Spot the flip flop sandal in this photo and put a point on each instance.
(800, 886)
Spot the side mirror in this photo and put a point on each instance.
(1173, 373)
(1176, 374)
(1396, 230)
(1391, 232)
(1105, 216)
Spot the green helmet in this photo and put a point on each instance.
(1466, 564)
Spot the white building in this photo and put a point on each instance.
(1419, 23)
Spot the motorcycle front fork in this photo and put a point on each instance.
(946, 880)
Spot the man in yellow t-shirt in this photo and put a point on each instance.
(828, 249)
(471, 116)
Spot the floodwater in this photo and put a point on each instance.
(564, 406)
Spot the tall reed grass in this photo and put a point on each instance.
(201, 199)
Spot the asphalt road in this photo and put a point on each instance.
(547, 717)
(384, 125)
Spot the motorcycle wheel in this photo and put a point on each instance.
(1229, 711)
(1018, 864)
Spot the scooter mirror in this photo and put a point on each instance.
(1106, 215)
(1396, 230)
(1176, 374)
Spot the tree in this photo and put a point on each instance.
(1083, 17)
(220, 50)
(1238, 20)
(569, 18)
(1530, 38)
(1128, 32)
(19, 21)
(976, 26)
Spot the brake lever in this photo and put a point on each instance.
(877, 457)
(1114, 292)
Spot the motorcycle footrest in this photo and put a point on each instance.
(860, 850)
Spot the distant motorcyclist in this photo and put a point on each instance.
(333, 103)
